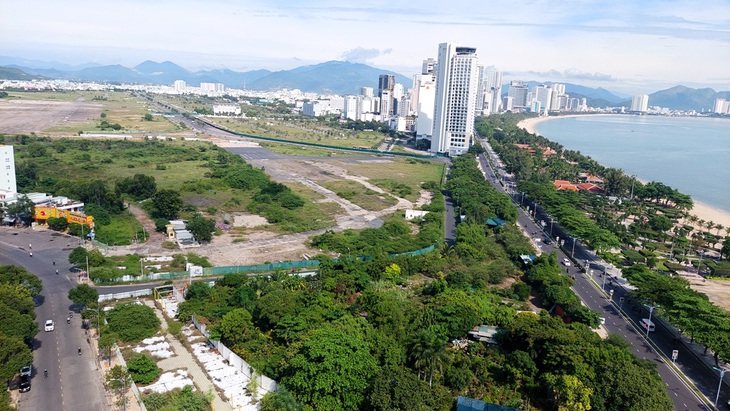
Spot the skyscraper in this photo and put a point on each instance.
(494, 88)
(640, 103)
(424, 95)
(8, 182)
(518, 91)
(456, 94)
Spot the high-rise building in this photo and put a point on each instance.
(456, 94)
(543, 95)
(640, 103)
(386, 104)
(8, 182)
(352, 108)
(518, 91)
(179, 85)
(722, 106)
(493, 86)
(366, 91)
(425, 105)
(558, 90)
(428, 66)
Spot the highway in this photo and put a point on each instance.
(682, 395)
(73, 383)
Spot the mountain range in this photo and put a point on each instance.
(337, 77)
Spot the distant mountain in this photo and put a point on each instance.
(685, 98)
(13, 73)
(39, 64)
(338, 77)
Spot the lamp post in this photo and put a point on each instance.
(633, 180)
(551, 227)
(572, 252)
(651, 310)
(719, 385)
(124, 390)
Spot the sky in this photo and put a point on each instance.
(632, 47)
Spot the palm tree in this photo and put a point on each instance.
(719, 227)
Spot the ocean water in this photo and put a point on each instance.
(687, 153)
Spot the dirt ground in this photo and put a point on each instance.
(26, 116)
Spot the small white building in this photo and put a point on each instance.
(415, 214)
(226, 109)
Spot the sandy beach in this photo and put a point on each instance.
(702, 211)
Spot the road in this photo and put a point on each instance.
(73, 382)
(679, 391)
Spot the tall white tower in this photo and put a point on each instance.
(8, 183)
(640, 103)
(456, 93)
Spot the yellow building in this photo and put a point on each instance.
(43, 213)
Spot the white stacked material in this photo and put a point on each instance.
(156, 346)
(170, 381)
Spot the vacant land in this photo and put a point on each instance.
(68, 113)
(25, 116)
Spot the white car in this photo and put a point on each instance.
(566, 262)
(50, 325)
(602, 320)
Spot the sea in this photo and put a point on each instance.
(691, 154)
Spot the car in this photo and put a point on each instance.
(602, 320)
(24, 384)
(548, 241)
(26, 371)
(50, 326)
(566, 262)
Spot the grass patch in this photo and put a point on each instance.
(121, 230)
(394, 175)
(297, 150)
(361, 195)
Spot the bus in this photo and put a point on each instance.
(647, 324)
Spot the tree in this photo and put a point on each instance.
(143, 369)
(14, 354)
(21, 209)
(15, 324)
(570, 393)
(333, 367)
(725, 250)
(133, 322)
(13, 274)
(83, 295)
(118, 379)
(202, 228)
(236, 327)
(167, 204)
(147, 117)
(279, 400)
(139, 186)
(78, 256)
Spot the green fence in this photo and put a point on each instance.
(247, 269)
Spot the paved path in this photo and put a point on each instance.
(183, 359)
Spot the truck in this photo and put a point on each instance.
(647, 324)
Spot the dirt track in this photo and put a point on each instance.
(26, 116)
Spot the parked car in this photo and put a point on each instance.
(26, 371)
(548, 241)
(24, 385)
(566, 262)
(602, 320)
(50, 326)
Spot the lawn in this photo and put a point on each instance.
(124, 229)
(397, 175)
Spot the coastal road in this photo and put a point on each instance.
(680, 393)
(73, 382)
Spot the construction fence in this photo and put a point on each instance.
(289, 266)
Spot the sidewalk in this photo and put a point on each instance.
(183, 359)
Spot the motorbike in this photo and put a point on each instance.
(68, 320)
(79, 350)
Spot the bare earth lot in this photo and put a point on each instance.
(26, 116)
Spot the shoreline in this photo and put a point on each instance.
(530, 123)
(699, 209)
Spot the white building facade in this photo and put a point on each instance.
(455, 103)
(8, 182)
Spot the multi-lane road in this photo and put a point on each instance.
(623, 316)
(73, 382)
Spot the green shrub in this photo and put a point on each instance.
(133, 322)
(143, 369)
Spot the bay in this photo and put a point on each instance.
(691, 154)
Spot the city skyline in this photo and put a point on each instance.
(625, 46)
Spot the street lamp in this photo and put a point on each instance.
(651, 310)
(722, 374)
(572, 252)
(551, 227)
(124, 390)
(633, 180)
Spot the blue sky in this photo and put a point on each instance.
(629, 46)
